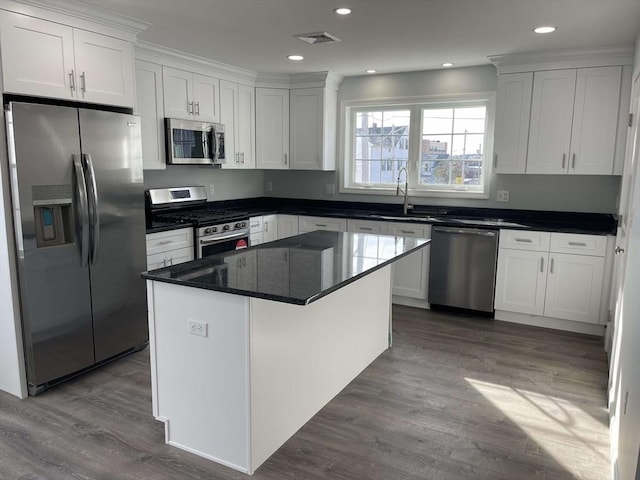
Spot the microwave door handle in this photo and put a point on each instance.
(205, 144)
(214, 145)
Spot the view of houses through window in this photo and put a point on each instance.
(450, 155)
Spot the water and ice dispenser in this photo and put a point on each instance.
(53, 215)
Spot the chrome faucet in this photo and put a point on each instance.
(406, 207)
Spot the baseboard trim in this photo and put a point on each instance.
(548, 322)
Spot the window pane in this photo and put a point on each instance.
(437, 121)
(469, 120)
(381, 146)
(436, 147)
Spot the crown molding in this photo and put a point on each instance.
(155, 53)
(79, 14)
(567, 58)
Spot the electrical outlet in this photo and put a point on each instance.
(330, 189)
(198, 328)
(212, 189)
(502, 195)
(269, 187)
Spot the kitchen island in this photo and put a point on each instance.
(246, 346)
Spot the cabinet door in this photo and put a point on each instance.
(520, 281)
(150, 107)
(574, 287)
(595, 120)
(182, 255)
(177, 93)
(287, 225)
(411, 273)
(246, 132)
(306, 128)
(513, 107)
(269, 228)
(256, 238)
(37, 58)
(206, 98)
(551, 117)
(105, 69)
(272, 128)
(229, 118)
(156, 260)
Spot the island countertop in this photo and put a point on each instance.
(296, 270)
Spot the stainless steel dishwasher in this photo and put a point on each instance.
(462, 272)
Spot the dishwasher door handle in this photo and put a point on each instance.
(466, 231)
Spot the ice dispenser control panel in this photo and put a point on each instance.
(53, 214)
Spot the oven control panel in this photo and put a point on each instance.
(223, 228)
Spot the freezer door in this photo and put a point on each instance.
(112, 157)
(50, 225)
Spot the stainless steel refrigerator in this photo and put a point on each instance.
(78, 204)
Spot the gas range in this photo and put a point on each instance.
(216, 230)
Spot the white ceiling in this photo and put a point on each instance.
(388, 35)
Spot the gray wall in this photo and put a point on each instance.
(228, 184)
(597, 194)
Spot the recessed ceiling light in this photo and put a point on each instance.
(371, 70)
(295, 57)
(343, 11)
(545, 29)
(447, 64)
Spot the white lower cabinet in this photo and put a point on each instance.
(287, 225)
(169, 248)
(411, 273)
(263, 229)
(561, 277)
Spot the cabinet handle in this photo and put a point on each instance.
(368, 229)
(266, 227)
(171, 262)
(578, 244)
(164, 262)
(190, 108)
(321, 224)
(198, 108)
(495, 160)
(523, 240)
(237, 158)
(83, 82)
(72, 81)
(285, 159)
(551, 266)
(573, 161)
(165, 242)
(242, 153)
(564, 157)
(408, 231)
(541, 264)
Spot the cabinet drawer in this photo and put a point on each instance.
(365, 226)
(255, 224)
(171, 240)
(525, 240)
(309, 224)
(593, 245)
(409, 230)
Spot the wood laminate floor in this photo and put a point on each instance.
(455, 398)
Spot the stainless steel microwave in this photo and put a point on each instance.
(194, 143)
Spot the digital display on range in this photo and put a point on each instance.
(180, 194)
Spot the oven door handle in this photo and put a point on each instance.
(222, 239)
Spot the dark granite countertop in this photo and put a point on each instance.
(297, 270)
(568, 222)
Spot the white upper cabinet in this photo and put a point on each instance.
(237, 113)
(272, 128)
(551, 118)
(191, 96)
(48, 59)
(595, 119)
(150, 107)
(513, 107)
(313, 125)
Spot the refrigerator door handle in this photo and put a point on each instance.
(83, 210)
(94, 212)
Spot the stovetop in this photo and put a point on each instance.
(200, 216)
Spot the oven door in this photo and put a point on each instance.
(213, 244)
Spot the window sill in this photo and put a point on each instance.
(470, 195)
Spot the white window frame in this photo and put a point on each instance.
(415, 105)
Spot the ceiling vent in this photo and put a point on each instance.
(317, 37)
